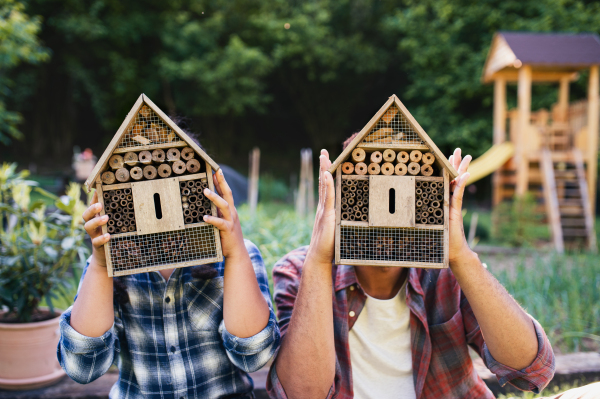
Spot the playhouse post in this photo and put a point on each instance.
(563, 98)
(592, 156)
(499, 129)
(524, 105)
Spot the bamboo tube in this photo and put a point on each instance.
(425, 214)
(192, 207)
(114, 205)
(198, 184)
(416, 155)
(438, 213)
(364, 218)
(439, 221)
(376, 157)
(150, 172)
(400, 169)
(356, 208)
(418, 184)
(130, 206)
(194, 214)
(179, 167)
(439, 197)
(182, 184)
(185, 205)
(431, 220)
(193, 166)
(116, 162)
(111, 229)
(201, 210)
(360, 168)
(120, 223)
(108, 177)
(126, 222)
(136, 173)
(359, 155)
(158, 156)
(122, 175)
(185, 191)
(111, 222)
(106, 195)
(191, 184)
(434, 191)
(389, 155)
(345, 207)
(374, 169)
(132, 215)
(435, 204)
(348, 168)
(426, 170)
(350, 201)
(184, 198)
(366, 187)
(164, 170)
(387, 169)
(359, 202)
(124, 202)
(402, 157)
(430, 210)
(365, 210)
(189, 220)
(352, 217)
(419, 203)
(345, 188)
(357, 215)
(131, 228)
(129, 197)
(187, 153)
(126, 191)
(345, 216)
(173, 154)
(413, 168)
(419, 191)
(187, 212)
(145, 157)
(428, 158)
(192, 199)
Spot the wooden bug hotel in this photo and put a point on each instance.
(392, 194)
(150, 181)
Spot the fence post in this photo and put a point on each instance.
(305, 201)
(253, 179)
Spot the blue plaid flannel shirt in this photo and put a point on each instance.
(170, 340)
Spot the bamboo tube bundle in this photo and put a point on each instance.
(193, 201)
(355, 200)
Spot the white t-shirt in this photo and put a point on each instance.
(380, 349)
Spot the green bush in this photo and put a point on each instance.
(271, 189)
(517, 223)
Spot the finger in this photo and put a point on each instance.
(456, 158)
(329, 200)
(464, 165)
(217, 186)
(322, 169)
(94, 198)
(325, 153)
(100, 240)
(215, 221)
(225, 190)
(459, 190)
(221, 204)
(94, 223)
(92, 211)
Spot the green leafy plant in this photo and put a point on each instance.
(518, 223)
(38, 247)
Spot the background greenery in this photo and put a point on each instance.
(73, 68)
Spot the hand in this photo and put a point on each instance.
(323, 235)
(458, 243)
(228, 222)
(93, 226)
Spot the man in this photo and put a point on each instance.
(387, 332)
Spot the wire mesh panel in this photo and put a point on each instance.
(132, 252)
(355, 200)
(391, 244)
(393, 128)
(148, 128)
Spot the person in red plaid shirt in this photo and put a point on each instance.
(388, 332)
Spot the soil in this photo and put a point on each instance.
(38, 315)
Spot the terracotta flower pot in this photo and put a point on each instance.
(28, 354)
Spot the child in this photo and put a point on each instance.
(190, 332)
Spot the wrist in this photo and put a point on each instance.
(314, 260)
(465, 258)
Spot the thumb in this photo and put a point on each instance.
(329, 190)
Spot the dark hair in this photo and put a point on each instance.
(349, 140)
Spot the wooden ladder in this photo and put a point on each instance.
(567, 202)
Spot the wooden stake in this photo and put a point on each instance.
(122, 175)
(187, 153)
(164, 170)
(253, 179)
(150, 172)
(348, 168)
(108, 177)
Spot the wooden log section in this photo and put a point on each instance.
(173, 155)
(158, 156)
(348, 168)
(164, 170)
(360, 168)
(193, 166)
(416, 155)
(136, 173)
(387, 169)
(426, 170)
(145, 157)
(179, 167)
(359, 155)
(122, 175)
(187, 153)
(401, 169)
(376, 157)
(150, 172)
(374, 169)
(403, 157)
(428, 158)
(131, 158)
(414, 168)
(389, 155)
(108, 177)
(116, 162)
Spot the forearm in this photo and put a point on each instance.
(306, 361)
(508, 331)
(93, 312)
(245, 310)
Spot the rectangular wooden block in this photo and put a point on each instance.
(392, 201)
(144, 205)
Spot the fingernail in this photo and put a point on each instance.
(98, 206)
(221, 172)
(106, 235)
(205, 217)
(105, 217)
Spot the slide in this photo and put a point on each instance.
(489, 162)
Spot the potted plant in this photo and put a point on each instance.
(38, 251)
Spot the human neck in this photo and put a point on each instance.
(166, 273)
(381, 282)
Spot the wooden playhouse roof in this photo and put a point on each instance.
(413, 123)
(559, 52)
(112, 146)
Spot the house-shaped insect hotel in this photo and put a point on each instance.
(150, 181)
(392, 194)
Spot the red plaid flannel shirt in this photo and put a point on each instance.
(442, 325)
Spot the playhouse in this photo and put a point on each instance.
(392, 194)
(150, 181)
(550, 153)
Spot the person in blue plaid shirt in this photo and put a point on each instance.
(192, 332)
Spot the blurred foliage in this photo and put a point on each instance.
(38, 248)
(550, 391)
(517, 223)
(18, 44)
(271, 189)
